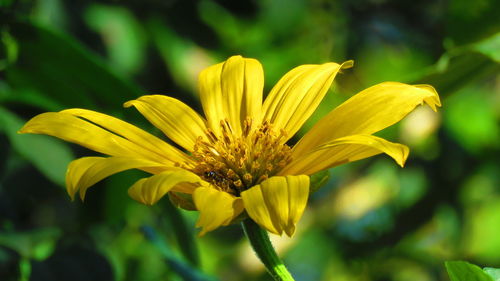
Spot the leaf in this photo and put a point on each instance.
(490, 47)
(454, 71)
(318, 180)
(37, 244)
(464, 271)
(61, 69)
(465, 64)
(185, 270)
(493, 272)
(121, 33)
(50, 156)
(182, 57)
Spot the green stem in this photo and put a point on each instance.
(259, 239)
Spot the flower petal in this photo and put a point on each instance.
(217, 208)
(149, 190)
(84, 172)
(278, 202)
(104, 134)
(132, 133)
(367, 112)
(344, 150)
(296, 96)
(232, 90)
(174, 118)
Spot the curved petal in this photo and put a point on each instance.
(174, 118)
(344, 150)
(132, 133)
(217, 208)
(278, 202)
(297, 95)
(149, 190)
(84, 172)
(232, 90)
(104, 134)
(368, 112)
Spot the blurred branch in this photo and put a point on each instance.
(183, 269)
(459, 71)
(183, 233)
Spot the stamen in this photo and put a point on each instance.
(233, 163)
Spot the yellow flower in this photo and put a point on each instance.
(237, 158)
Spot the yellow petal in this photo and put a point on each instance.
(135, 135)
(104, 134)
(277, 203)
(297, 95)
(344, 150)
(217, 208)
(232, 90)
(149, 190)
(87, 171)
(368, 112)
(175, 119)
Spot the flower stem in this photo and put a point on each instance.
(259, 239)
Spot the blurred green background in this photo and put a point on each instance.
(371, 220)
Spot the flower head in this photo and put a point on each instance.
(236, 160)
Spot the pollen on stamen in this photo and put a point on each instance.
(233, 163)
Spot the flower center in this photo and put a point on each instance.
(235, 163)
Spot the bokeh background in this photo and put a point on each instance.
(371, 220)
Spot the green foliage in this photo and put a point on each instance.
(464, 271)
(57, 83)
(493, 272)
(318, 180)
(52, 160)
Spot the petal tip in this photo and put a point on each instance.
(432, 99)
(290, 230)
(71, 196)
(404, 156)
(128, 104)
(26, 128)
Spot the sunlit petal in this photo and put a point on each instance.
(87, 171)
(344, 150)
(149, 190)
(277, 203)
(368, 112)
(297, 95)
(232, 90)
(135, 135)
(174, 118)
(104, 134)
(217, 208)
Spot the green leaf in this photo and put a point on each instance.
(50, 156)
(464, 271)
(493, 272)
(462, 65)
(178, 265)
(490, 47)
(61, 69)
(121, 33)
(36, 244)
(318, 180)
(454, 71)
(179, 55)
